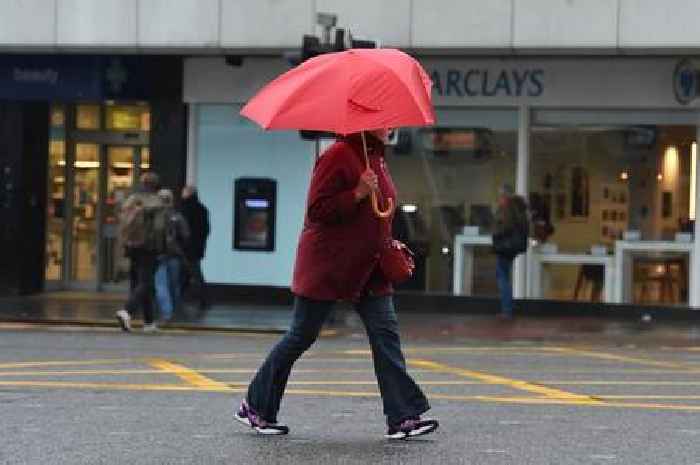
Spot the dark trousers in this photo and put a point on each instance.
(401, 396)
(504, 267)
(141, 295)
(194, 282)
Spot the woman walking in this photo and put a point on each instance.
(337, 259)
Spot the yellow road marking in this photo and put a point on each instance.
(621, 358)
(325, 393)
(156, 371)
(348, 382)
(650, 397)
(510, 351)
(120, 386)
(624, 383)
(186, 374)
(369, 383)
(500, 380)
(65, 363)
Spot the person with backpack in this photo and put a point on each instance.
(171, 258)
(141, 222)
(510, 238)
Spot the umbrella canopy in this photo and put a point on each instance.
(347, 92)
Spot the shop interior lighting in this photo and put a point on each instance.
(409, 208)
(693, 179)
(624, 176)
(445, 250)
(82, 163)
(660, 177)
(127, 165)
(671, 165)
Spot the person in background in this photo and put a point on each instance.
(197, 217)
(170, 261)
(143, 259)
(509, 240)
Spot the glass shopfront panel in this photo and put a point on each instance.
(56, 205)
(91, 172)
(594, 176)
(448, 177)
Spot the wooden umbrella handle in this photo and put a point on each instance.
(377, 211)
(375, 202)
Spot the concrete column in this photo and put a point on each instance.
(522, 169)
(192, 127)
(694, 287)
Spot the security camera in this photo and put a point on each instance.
(326, 19)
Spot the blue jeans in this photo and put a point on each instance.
(504, 266)
(401, 396)
(168, 286)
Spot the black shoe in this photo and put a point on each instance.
(411, 428)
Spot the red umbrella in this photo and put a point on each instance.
(347, 92)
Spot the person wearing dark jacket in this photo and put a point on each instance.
(197, 217)
(509, 240)
(337, 259)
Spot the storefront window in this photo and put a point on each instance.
(55, 205)
(145, 159)
(598, 175)
(128, 117)
(448, 177)
(87, 117)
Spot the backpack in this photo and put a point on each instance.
(514, 241)
(144, 228)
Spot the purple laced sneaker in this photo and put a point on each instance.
(411, 427)
(247, 416)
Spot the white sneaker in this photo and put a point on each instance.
(124, 320)
(150, 328)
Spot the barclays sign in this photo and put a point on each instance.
(487, 82)
(686, 79)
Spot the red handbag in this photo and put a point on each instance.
(396, 261)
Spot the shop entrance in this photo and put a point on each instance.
(91, 173)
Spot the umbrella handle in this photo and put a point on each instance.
(375, 202)
(375, 206)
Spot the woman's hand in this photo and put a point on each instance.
(368, 182)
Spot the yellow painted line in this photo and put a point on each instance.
(607, 371)
(537, 351)
(621, 358)
(500, 380)
(65, 363)
(119, 386)
(325, 393)
(370, 383)
(186, 374)
(624, 383)
(649, 397)
(245, 371)
(307, 358)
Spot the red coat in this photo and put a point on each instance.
(339, 245)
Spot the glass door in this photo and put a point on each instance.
(86, 182)
(123, 166)
(96, 154)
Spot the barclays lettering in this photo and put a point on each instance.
(487, 83)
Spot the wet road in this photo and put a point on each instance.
(97, 396)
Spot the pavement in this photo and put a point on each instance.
(95, 395)
(97, 310)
